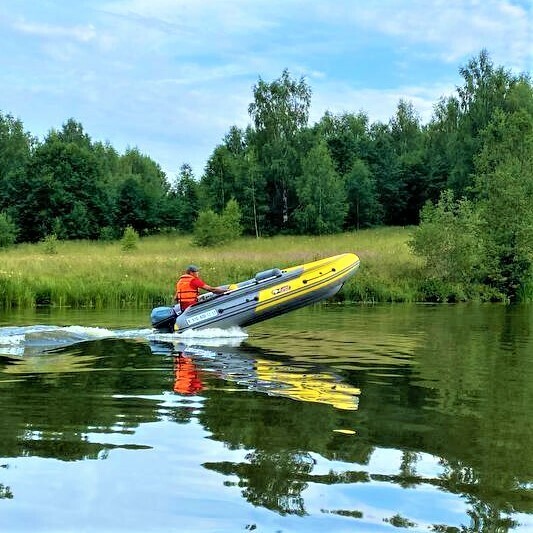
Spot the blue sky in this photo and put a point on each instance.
(172, 76)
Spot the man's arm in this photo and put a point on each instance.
(201, 284)
(215, 290)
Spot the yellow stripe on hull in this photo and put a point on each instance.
(317, 275)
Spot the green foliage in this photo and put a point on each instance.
(218, 182)
(364, 207)
(50, 244)
(187, 196)
(280, 108)
(322, 198)
(132, 204)
(207, 229)
(280, 112)
(73, 187)
(525, 291)
(484, 92)
(488, 239)
(504, 185)
(408, 139)
(449, 239)
(130, 240)
(251, 195)
(383, 162)
(233, 171)
(231, 221)
(211, 229)
(106, 234)
(347, 137)
(8, 230)
(61, 182)
(141, 193)
(15, 149)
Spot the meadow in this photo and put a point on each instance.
(106, 275)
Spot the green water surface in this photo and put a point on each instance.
(341, 418)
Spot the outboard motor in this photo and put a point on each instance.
(163, 319)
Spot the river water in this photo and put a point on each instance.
(337, 417)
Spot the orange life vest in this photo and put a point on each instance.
(186, 294)
(187, 378)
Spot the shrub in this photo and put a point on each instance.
(449, 238)
(211, 229)
(50, 244)
(130, 240)
(208, 229)
(231, 221)
(106, 234)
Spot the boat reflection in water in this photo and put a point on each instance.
(187, 378)
(248, 369)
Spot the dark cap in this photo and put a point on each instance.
(192, 268)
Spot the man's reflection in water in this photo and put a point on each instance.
(186, 376)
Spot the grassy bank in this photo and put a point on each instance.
(98, 274)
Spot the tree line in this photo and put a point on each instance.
(281, 174)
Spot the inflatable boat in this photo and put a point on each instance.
(268, 294)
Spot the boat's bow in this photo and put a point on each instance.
(314, 281)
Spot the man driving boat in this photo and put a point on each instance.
(188, 285)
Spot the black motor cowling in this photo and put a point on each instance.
(163, 318)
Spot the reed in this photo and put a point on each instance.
(526, 292)
(103, 274)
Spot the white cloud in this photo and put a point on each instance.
(78, 33)
(207, 24)
(380, 105)
(455, 28)
(172, 76)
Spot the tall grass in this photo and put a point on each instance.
(526, 292)
(103, 274)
